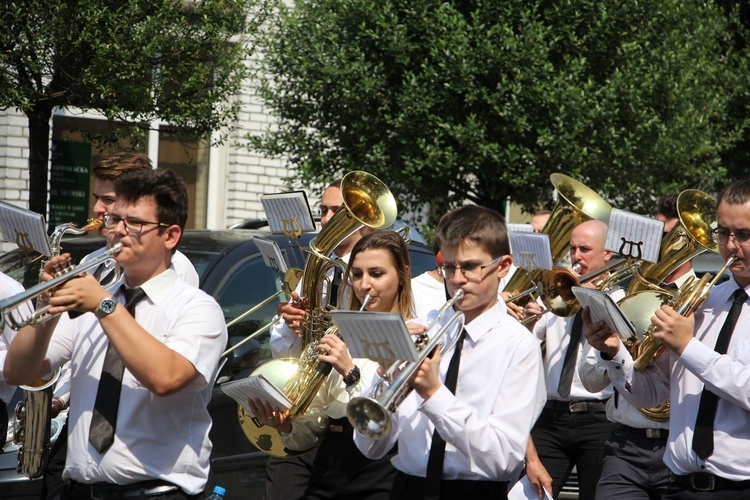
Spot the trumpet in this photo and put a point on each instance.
(7, 306)
(370, 416)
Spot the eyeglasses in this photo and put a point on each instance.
(741, 238)
(132, 225)
(470, 271)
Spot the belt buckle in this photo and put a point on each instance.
(576, 406)
(653, 433)
(706, 482)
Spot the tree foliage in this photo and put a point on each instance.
(132, 60)
(480, 100)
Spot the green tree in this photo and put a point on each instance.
(481, 100)
(132, 60)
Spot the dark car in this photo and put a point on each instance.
(232, 270)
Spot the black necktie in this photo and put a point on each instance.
(569, 363)
(437, 450)
(703, 439)
(333, 296)
(104, 417)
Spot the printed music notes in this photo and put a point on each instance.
(382, 337)
(633, 235)
(603, 308)
(531, 251)
(256, 387)
(288, 213)
(26, 228)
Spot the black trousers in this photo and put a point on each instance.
(52, 482)
(634, 466)
(564, 439)
(287, 478)
(3, 423)
(407, 487)
(79, 492)
(725, 490)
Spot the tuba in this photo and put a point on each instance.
(367, 202)
(33, 420)
(577, 203)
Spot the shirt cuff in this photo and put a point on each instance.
(616, 365)
(438, 404)
(697, 356)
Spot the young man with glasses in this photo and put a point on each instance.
(573, 426)
(704, 371)
(462, 432)
(143, 354)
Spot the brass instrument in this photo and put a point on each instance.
(33, 423)
(691, 236)
(691, 295)
(371, 416)
(577, 203)
(367, 202)
(10, 304)
(33, 426)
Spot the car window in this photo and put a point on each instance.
(422, 260)
(248, 283)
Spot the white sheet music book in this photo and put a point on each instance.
(288, 213)
(524, 490)
(24, 227)
(258, 387)
(520, 228)
(271, 253)
(633, 235)
(379, 336)
(531, 251)
(603, 308)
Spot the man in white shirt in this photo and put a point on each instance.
(464, 435)
(140, 380)
(634, 454)
(573, 426)
(104, 173)
(704, 371)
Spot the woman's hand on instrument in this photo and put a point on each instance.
(599, 335)
(532, 310)
(672, 328)
(273, 417)
(292, 313)
(415, 328)
(515, 310)
(426, 380)
(333, 350)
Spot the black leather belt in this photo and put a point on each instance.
(576, 406)
(648, 433)
(107, 491)
(703, 481)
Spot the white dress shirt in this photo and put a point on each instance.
(8, 288)
(486, 425)
(284, 342)
(428, 294)
(556, 331)
(156, 437)
(308, 430)
(682, 380)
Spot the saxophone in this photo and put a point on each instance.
(367, 202)
(33, 421)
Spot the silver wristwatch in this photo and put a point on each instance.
(106, 307)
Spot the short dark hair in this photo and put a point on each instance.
(394, 244)
(667, 206)
(737, 193)
(110, 167)
(480, 225)
(164, 186)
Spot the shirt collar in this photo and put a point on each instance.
(486, 321)
(157, 288)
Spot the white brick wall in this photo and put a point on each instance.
(14, 162)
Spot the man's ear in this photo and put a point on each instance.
(504, 265)
(173, 234)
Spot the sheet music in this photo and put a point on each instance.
(633, 235)
(524, 490)
(25, 228)
(258, 387)
(288, 212)
(531, 251)
(520, 228)
(271, 253)
(382, 337)
(603, 308)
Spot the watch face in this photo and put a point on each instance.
(106, 306)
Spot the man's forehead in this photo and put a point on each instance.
(127, 207)
(465, 251)
(332, 196)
